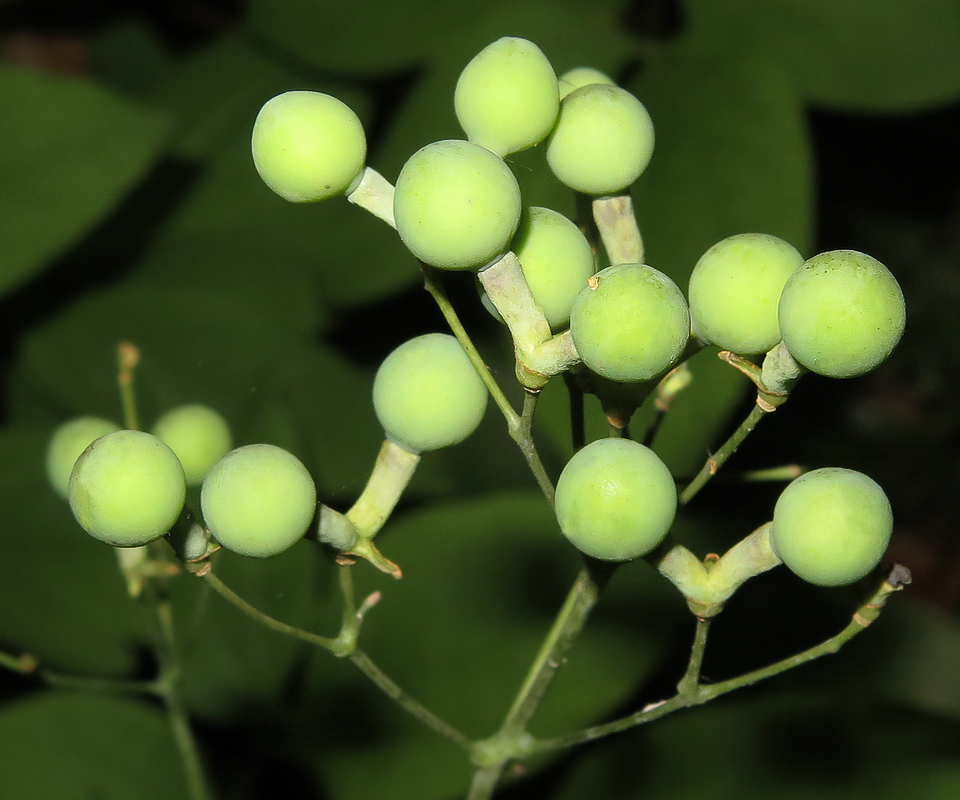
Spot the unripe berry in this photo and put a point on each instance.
(630, 323)
(427, 394)
(308, 146)
(615, 500)
(603, 140)
(198, 435)
(127, 488)
(832, 526)
(66, 445)
(841, 314)
(735, 289)
(258, 500)
(506, 97)
(456, 205)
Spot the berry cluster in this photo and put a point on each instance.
(618, 325)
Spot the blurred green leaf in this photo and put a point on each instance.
(217, 91)
(71, 150)
(358, 37)
(230, 661)
(77, 747)
(129, 56)
(794, 746)
(868, 55)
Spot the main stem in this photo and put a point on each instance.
(169, 689)
(513, 740)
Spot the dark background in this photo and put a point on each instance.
(132, 211)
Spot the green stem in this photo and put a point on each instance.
(690, 681)
(389, 687)
(694, 694)
(484, 782)
(617, 224)
(374, 193)
(709, 469)
(264, 619)
(513, 740)
(128, 356)
(169, 684)
(453, 321)
(391, 473)
(345, 646)
(580, 601)
(519, 427)
(524, 439)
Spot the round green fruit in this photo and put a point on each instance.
(615, 500)
(66, 445)
(735, 288)
(602, 142)
(831, 526)
(258, 500)
(581, 76)
(507, 97)
(841, 314)
(127, 488)
(456, 205)
(630, 323)
(427, 394)
(556, 260)
(198, 435)
(308, 146)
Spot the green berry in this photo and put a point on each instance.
(581, 76)
(630, 323)
(615, 500)
(456, 205)
(735, 288)
(198, 435)
(602, 142)
(832, 526)
(556, 260)
(66, 445)
(308, 146)
(841, 313)
(127, 488)
(258, 500)
(506, 97)
(427, 394)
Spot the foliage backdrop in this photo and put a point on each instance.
(130, 210)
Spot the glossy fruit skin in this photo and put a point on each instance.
(734, 291)
(841, 314)
(308, 146)
(630, 323)
(616, 500)
(602, 142)
(258, 500)
(67, 443)
(127, 488)
(198, 435)
(832, 526)
(456, 205)
(427, 394)
(507, 98)
(556, 260)
(581, 76)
